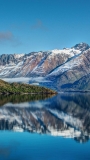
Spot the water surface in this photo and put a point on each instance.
(45, 128)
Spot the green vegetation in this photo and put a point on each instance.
(17, 88)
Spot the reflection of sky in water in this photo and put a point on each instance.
(26, 146)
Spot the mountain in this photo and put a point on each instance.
(57, 69)
(81, 84)
(81, 46)
(35, 63)
(75, 70)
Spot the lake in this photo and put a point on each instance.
(40, 127)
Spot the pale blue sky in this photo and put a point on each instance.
(35, 25)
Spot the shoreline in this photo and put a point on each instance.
(32, 93)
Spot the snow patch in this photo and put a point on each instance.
(19, 55)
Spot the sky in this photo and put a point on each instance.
(39, 25)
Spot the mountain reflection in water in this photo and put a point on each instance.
(65, 114)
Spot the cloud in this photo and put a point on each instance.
(6, 36)
(39, 25)
(9, 37)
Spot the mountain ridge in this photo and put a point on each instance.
(60, 67)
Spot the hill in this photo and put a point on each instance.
(16, 88)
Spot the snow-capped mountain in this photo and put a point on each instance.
(36, 63)
(81, 46)
(57, 69)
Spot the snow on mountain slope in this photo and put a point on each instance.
(34, 64)
(69, 51)
(8, 69)
(81, 46)
(75, 61)
(19, 55)
(55, 67)
(73, 70)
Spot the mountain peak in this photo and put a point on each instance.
(81, 46)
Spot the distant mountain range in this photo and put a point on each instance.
(66, 69)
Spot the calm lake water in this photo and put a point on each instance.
(45, 128)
